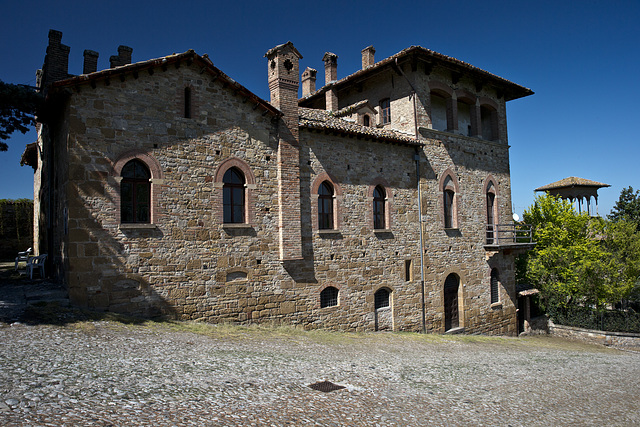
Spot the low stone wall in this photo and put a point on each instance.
(616, 339)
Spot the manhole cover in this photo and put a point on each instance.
(325, 386)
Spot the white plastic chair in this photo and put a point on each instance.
(23, 256)
(36, 262)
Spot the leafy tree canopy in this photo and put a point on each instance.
(627, 206)
(18, 107)
(579, 259)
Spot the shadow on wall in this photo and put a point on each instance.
(104, 272)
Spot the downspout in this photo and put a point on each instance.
(417, 159)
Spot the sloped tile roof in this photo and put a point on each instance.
(513, 90)
(187, 57)
(572, 181)
(315, 119)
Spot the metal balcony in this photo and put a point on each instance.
(509, 236)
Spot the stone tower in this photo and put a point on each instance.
(284, 80)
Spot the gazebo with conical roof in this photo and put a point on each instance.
(575, 189)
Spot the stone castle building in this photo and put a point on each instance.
(164, 187)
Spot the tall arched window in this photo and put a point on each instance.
(449, 201)
(495, 290)
(491, 217)
(135, 193)
(449, 196)
(233, 196)
(325, 206)
(379, 214)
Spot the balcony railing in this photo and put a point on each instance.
(508, 234)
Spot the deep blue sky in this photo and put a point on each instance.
(581, 58)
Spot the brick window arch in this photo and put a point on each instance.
(325, 206)
(138, 177)
(233, 192)
(491, 208)
(450, 200)
(233, 196)
(135, 193)
(380, 198)
(326, 209)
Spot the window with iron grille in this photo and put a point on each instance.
(495, 290)
(325, 206)
(385, 110)
(135, 193)
(233, 196)
(381, 298)
(329, 297)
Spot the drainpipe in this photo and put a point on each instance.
(421, 244)
(416, 157)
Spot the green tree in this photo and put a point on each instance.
(627, 207)
(18, 108)
(579, 259)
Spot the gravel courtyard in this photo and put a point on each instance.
(111, 373)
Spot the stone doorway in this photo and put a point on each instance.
(383, 314)
(451, 315)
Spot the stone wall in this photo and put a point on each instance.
(615, 339)
(188, 264)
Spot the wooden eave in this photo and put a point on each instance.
(430, 59)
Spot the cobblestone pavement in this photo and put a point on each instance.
(105, 373)
(62, 367)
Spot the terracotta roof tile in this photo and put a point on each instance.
(325, 120)
(572, 181)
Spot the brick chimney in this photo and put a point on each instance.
(123, 57)
(330, 75)
(90, 62)
(330, 67)
(368, 57)
(56, 61)
(283, 77)
(309, 81)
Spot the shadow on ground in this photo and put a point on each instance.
(42, 301)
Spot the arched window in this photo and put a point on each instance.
(491, 209)
(379, 214)
(381, 298)
(366, 120)
(449, 201)
(325, 206)
(233, 196)
(439, 111)
(329, 297)
(495, 290)
(135, 193)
